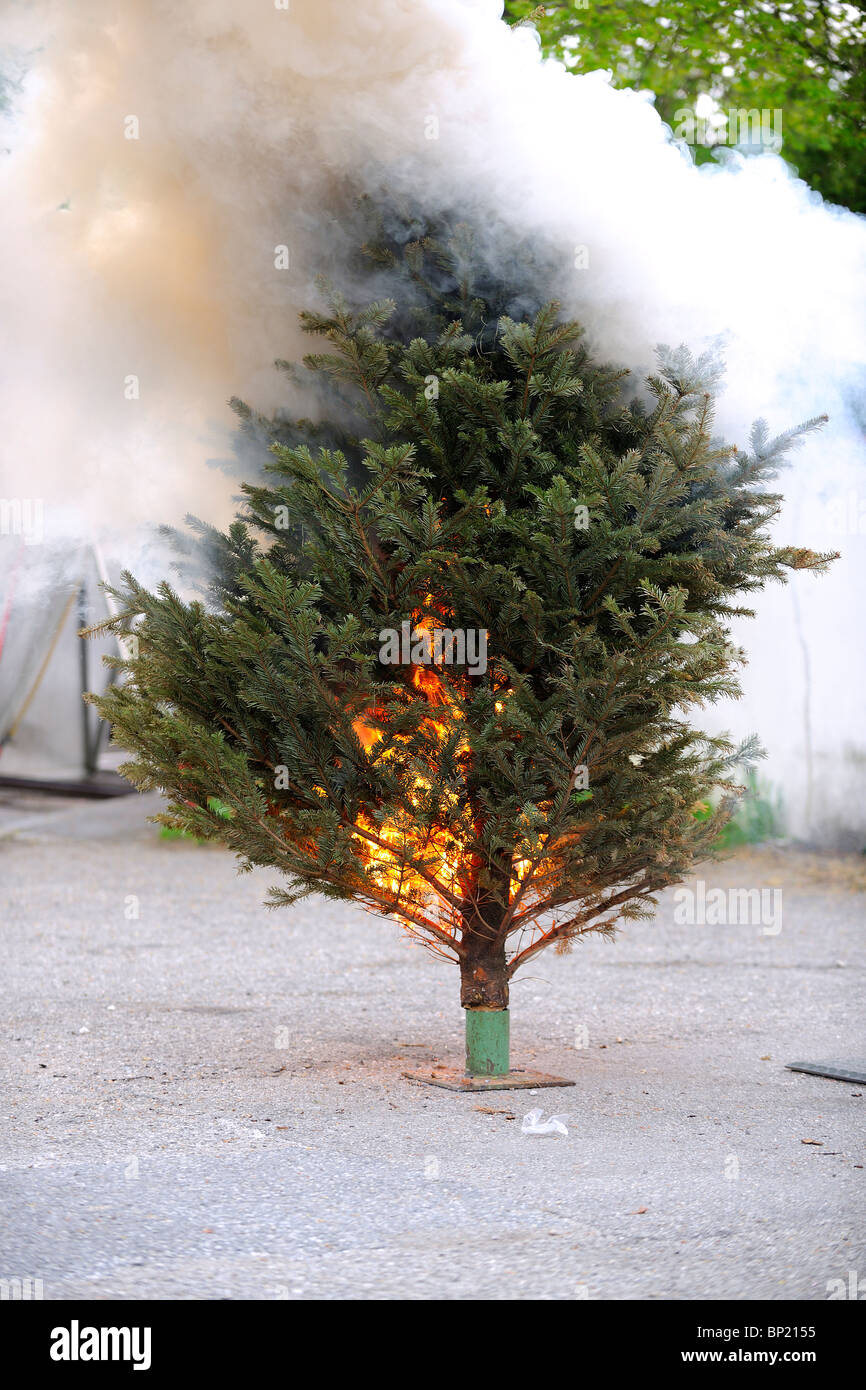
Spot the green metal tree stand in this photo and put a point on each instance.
(488, 1062)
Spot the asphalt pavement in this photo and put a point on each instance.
(204, 1099)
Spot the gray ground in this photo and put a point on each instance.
(204, 1097)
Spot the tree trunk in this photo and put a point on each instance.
(483, 975)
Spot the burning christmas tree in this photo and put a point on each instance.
(448, 664)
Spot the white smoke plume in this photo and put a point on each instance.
(160, 155)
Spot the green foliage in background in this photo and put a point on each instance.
(803, 57)
(758, 818)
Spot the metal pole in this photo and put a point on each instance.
(89, 751)
(487, 1042)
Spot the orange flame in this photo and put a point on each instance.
(438, 851)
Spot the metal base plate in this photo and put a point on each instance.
(836, 1071)
(454, 1079)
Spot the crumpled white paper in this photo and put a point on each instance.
(533, 1124)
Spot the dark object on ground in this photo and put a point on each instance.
(836, 1071)
(101, 784)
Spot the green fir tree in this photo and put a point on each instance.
(533, 772)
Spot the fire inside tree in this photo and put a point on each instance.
(501, 483)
